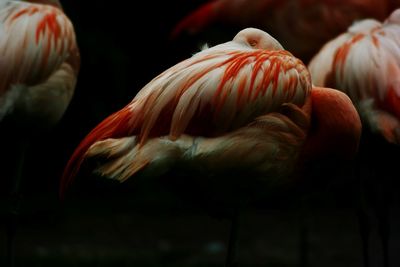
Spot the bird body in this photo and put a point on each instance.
(39, 63)
(302, 26)
(229, 125)
(242, 107)
(364, 63)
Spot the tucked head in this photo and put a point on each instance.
(394, 17)
(258, 39)
(364, 26)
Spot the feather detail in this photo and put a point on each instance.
(216, 92)
(44, 41)
(122, 158)
(115, 126)
(260, 146)
(364, 63)
(220, 83)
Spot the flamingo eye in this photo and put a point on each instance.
(253, 43)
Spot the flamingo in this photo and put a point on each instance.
(39, 64)
(302, 26)
(364, 62)
(236, 118)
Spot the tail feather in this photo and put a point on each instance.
(116, 125)
(122, 158)
(196, 21)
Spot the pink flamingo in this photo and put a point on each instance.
(302, 26)
(39, 63)
(242, 114)
(364, 62)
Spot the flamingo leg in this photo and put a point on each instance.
(15, 203)
(384, 232)
(363, 177)
(381, 201)
(382, 211)
(374, 193)
(10, 243)
(304, 233)
(365, 231)
(231, 259)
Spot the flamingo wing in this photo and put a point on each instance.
(35, 41)
(218, 90)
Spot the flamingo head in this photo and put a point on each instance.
(257, 39)
(394, 17)
(364, 26)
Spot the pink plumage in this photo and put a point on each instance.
(241, 107)
(302, 26)
(39, 65)
(39, 60)
(364, 63)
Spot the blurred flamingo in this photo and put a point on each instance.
(39, 63)
(302, 26)
(236, 118)
(364, 62)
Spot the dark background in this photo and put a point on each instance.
(123, 46)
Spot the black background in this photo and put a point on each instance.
(123, 46)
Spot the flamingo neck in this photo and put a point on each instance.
(335, 126)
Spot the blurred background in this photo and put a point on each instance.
(101, 223)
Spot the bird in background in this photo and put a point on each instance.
(237, 116)
(39, 64)
(302, 26)
(364, 62)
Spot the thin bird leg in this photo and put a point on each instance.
(15, 203)
(365, 230)
(361, 212)
(376, 193)
(384, 232)
(231, 259)
(303, 218)
(382, 211)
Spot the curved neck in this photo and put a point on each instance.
(335, 126)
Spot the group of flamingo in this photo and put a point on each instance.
(240, 117)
